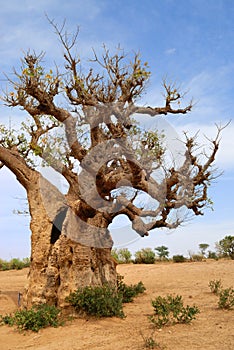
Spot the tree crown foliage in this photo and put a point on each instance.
(82, 124)
(225, 246)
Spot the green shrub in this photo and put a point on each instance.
(170, 310)
(34, 319)
(226, 298)
(145, 256)
(215, 286)
(162, 252)
(14, 264)
(4, 265)
(99, 301)
(124, 255)
(26, 262)
(225, 247)
(106, 300)
(212, 255)
(114, 254)
(178, 258)
(128, 292)
(150, 342)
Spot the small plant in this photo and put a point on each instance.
(178, 258)
(170, 310)
(129, 292)
(215, 286)
(150, 342)
(34, 319)
(99, 301)
(7, 319)
(226, 298)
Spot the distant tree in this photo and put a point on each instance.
(124, 255)
(225, 247)
(115, 255)
(162, 252)
(212, 255)
(145, 256)
(203, 247)
(196, 257)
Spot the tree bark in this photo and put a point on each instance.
(64, 255)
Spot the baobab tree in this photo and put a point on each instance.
(81, 123)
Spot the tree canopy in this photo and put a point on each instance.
(225, 247)
(82, 124)
(162, 252)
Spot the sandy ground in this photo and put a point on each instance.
(213, 328)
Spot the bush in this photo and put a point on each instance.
(129, 292)
(178, 258)
(26, 262)
(14, 264)
(212, 255)
(196, 257)
(34, 319)
(4, 265)
(226, 298)
(106, 300)
(145, 256)
(99, 301)
(170, 310)
(215, 286)
(124, 256)
(149, 342)
(114, 254)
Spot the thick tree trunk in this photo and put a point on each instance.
(64, 253)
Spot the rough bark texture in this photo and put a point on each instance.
(60, 267)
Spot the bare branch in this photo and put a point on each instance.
(116, 154)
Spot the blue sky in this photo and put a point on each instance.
(186, 41)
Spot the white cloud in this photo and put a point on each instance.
(24, 24)
(170, 51)
(210, 90)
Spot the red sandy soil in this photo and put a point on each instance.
(213, 328)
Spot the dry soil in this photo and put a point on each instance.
(213, 329)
